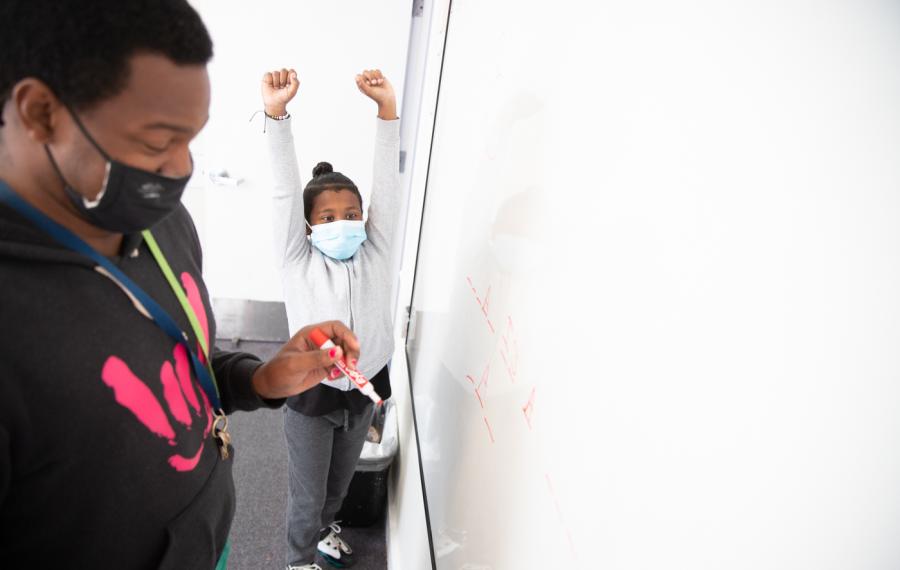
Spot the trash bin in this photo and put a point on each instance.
(367, 494)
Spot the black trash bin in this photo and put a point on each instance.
(367, 494)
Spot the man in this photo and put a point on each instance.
(113, 440)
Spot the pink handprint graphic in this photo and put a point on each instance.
(180, 391)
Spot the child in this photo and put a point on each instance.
(334, 266)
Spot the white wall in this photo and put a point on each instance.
(328, 43)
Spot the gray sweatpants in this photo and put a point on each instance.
(322, 456)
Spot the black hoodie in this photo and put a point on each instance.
(106, 455)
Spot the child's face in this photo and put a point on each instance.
(335, 205)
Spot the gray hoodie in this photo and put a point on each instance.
(319, 288)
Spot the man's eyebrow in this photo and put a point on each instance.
(169, 127)
(173, 127)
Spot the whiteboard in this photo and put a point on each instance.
(656, 313)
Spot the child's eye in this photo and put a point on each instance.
(352, 216)
(327, 218)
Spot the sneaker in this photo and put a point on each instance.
(305, 567)
(333, 548)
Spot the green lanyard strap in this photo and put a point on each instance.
(182, 298)
(223, 560)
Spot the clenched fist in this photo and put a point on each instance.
(278, 88)
(376, 87)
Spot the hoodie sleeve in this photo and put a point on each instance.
(5, 466)
(15, 431)
(384, 208)
(234, 374)
(288, 220)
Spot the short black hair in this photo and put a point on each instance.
(81, 48)
(324, 179)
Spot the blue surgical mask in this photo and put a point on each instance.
(339, 240)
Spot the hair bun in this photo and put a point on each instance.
(322, 168)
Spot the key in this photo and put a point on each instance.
(223, 438)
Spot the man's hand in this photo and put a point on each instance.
(376, 87)
(300, 365)
(278, 88)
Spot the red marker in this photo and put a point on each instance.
(362, 383)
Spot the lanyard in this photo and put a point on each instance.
(156, 312)
(186, 306)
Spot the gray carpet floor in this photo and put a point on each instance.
(260, 471)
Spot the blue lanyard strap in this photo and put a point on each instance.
(157, 313)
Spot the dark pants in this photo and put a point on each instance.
(322, 456)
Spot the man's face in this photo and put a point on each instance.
(148, 125)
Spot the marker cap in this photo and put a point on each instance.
(318, 337)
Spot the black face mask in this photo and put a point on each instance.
(131, 200)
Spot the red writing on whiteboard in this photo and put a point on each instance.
(485, 304)
(528, 409)
(490, 431)
(559, 514)
(509, 351)
(481, 393)
(481, 386)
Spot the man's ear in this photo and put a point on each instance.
(37, 109)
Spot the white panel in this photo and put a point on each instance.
(408, 545)
(657, 304)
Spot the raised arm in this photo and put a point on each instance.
(384, 203)
(289, 227)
